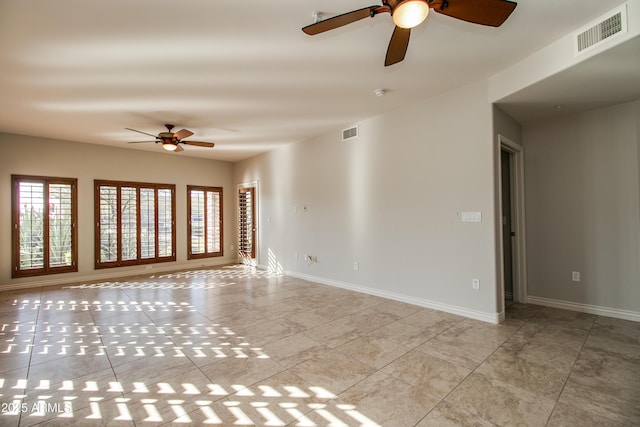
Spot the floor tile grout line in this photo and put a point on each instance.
(444, 398)
(288, 369)
(33, 343)
(227, 397)
(115, 375)
(388, 375)
(573, 365)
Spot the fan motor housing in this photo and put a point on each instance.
(166, 136)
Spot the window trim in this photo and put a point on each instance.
(119, 262)
(205, 254)
(16, 272)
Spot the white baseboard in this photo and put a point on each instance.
(461, 311)
(105, 274)
(586, 308)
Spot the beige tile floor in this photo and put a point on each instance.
(232, 346)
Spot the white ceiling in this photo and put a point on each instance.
(241, 73)
(609, 78)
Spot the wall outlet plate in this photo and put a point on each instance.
(475, 283)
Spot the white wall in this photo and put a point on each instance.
(47, 157)
(583, 209)
(389, 200)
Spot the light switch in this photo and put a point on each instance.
(471, 216)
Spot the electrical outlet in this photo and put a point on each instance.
(475, 283)
(575, 276)
(356, 266)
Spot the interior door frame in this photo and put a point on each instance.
(251, 184)
(519, 259)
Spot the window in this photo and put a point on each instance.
(135, 223)
(44, 217)
(204, 206)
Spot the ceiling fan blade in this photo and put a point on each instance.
(199, 144)
(144, 133)
(181, 134)
(139, 142)
(178, 149)
(484, 12)
(339, 20)
(397, 46)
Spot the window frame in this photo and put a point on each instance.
(46, 269)
(119, 262)
(205, 254)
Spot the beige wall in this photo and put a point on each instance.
(506, 126)
(583, 207)
(390, 201)
(47, 157)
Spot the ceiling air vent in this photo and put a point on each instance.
(601, 30)
(350, 133)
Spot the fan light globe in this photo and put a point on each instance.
(169, 146)
(410, 13)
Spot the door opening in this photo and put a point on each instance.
(512, 225)
(508, 233)
(247, 225)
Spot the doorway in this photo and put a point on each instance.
(247, 230)
(512, 223)
(508, 233)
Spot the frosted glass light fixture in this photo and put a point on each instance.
(410, 13)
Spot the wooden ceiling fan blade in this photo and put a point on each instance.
(181, 134)
(199, 144)
(397, 46)
(484, 12)
(340, 20)
(139, 142)
(178, 149)
(144, 133)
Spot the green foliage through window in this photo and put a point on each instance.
(205, 221)
(134, 223)
(44, 225)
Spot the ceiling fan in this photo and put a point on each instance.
(170, 141)
(407, 14)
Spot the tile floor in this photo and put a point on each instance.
(232, 346)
